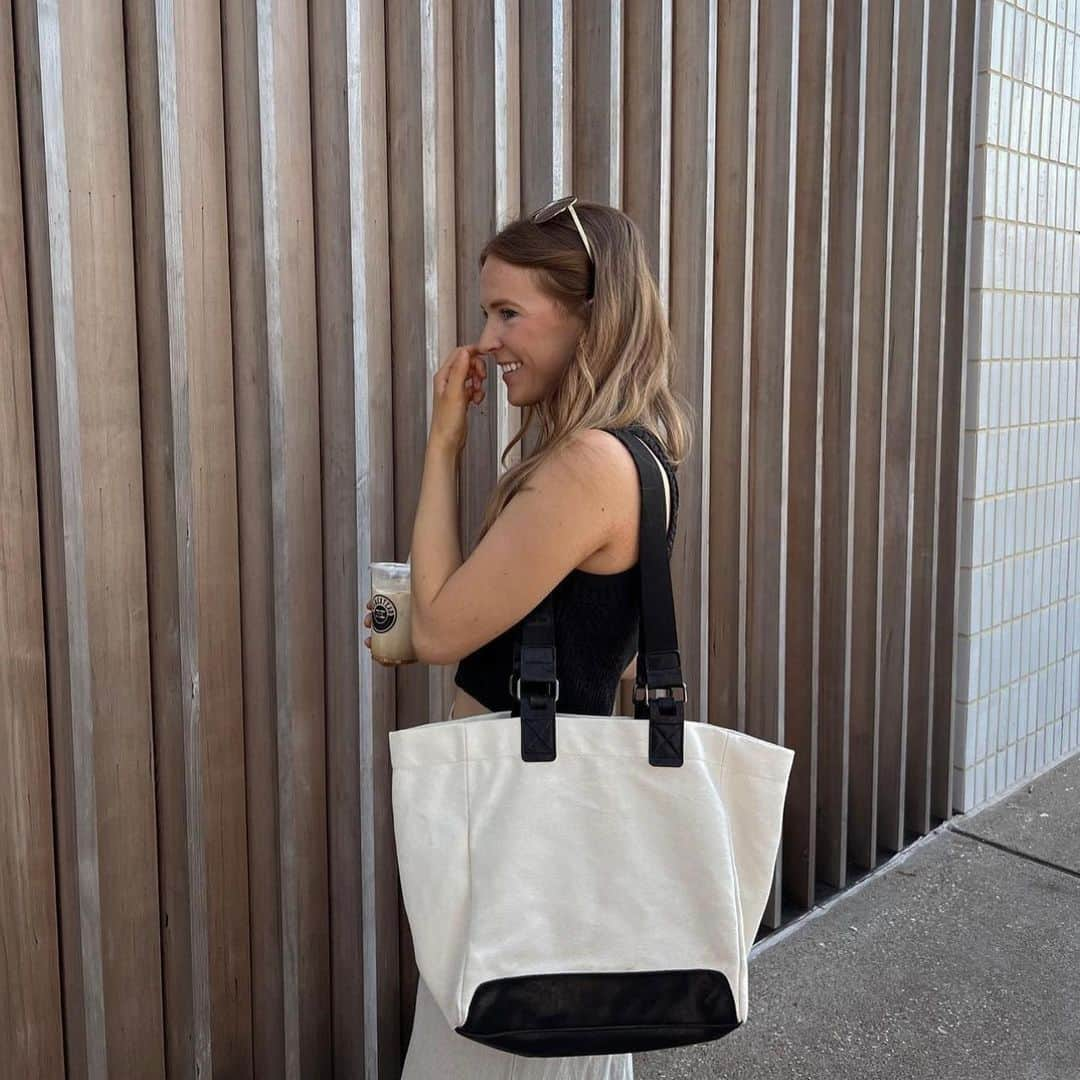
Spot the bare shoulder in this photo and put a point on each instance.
(611, 476)
(617, 473)
(596, 475)
(599, 462)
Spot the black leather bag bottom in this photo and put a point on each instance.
(566, 1015)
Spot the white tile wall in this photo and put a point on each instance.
(1018, 666)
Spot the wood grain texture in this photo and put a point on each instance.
(872, 237)
(809, 255)
(30, 1006)
(536, 98)
(597, 91)
(474, 156)
(165, 399)
(105, 365)
(178, 175)
(536, 131)
(212, 437)
(372, 413)
(967, 42)
(841, 307)
(900, 408)
(562, 97)
(506, 418)
(440, 202)
(250, 238)
(296, 531)
(690, 315)
(248, 312)
(409, 375)
(48, 260)
(768, 413)
(928, 419)
(344, 371)
(348, 138)
(646, 158)
(724, 696)
(71, 75)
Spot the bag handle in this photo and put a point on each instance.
(658, 683)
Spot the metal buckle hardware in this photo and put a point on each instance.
(516, 693)
(641, 692)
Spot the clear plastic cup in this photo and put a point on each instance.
(391, 606)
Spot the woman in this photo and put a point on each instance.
(575, 323)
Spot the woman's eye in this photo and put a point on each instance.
(507, 311)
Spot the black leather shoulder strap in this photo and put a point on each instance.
(659, 690)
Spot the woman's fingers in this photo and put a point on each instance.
(478, 379)
(367, 641)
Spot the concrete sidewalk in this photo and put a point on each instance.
(960, 960)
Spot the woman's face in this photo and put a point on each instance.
(524, 327)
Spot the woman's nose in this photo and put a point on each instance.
(489, 340)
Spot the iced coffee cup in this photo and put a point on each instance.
(391, 625)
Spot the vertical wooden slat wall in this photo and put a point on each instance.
(959, 152)
(189, 447)
(30, 1008)
(236, 242)
(843, 173)
(76, 183)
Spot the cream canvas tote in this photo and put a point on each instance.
(589, 884)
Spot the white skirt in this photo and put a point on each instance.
(437, 1052)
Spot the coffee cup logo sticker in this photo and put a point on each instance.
(383, 613)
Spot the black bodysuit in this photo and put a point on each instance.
(596, 630)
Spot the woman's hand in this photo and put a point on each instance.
(459, 383)
(367, 642)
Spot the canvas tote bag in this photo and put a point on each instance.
(589, 884)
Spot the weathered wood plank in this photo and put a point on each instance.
(897, 480)
(872, 238)
(691, 182)
(768, 404)
(178, 174)
(928, 418)
(724, 695)
(838, 441)
(296, 530)
(967, 29)
(30, 1007)
(250, 381)
(805, 454)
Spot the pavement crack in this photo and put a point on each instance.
(1016, 851)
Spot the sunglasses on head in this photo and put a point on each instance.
(556, 207)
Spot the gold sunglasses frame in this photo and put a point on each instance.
(556, 207)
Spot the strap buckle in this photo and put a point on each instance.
(515, 692)
(643, 692)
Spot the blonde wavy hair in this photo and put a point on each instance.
(622, 367)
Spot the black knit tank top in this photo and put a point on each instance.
(596, 630)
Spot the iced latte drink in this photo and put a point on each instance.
(391, 625)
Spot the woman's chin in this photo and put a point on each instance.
(519, 394)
